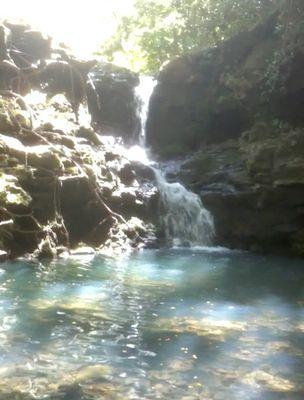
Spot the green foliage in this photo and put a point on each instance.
(291, 30)
(274, 79)
(162, 29)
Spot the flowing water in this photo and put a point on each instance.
(183, 218)
(143, 93)
(177, 323)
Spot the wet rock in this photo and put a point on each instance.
(92, 373)
(253, 188)
(143, 172)
(69, 391)
(126, 235)
(46, 249)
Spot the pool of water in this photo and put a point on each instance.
(169, 324)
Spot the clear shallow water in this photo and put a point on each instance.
(179, 324)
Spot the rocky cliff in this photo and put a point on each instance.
(233, 116)
(62, 185)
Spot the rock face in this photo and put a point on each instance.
(254, 188)
(112, 101)
(28, 60)
(216, 94)
(61, 188)
(61, 184)
(234, 114)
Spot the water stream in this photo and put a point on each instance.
(184, 219)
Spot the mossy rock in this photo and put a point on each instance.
(49, 161)
(11, 193)
(23, 118)
(6, 124)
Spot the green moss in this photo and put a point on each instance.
(23, 118)
(6, 124)
(11, 193)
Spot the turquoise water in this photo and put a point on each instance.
(168, 324)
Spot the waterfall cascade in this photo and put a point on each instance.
(143, 93)
(185, 221)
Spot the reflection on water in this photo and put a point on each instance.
(178, 324)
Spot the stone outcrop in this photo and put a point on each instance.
(215, 94)
(234, 116)
(254, 188)
(112, 101)
(61, 188)
(62, 185)
(29, 60)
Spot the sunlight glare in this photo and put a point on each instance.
(83, 26)
(137, 153)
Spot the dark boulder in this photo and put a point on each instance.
(112, 101)
(212, 95)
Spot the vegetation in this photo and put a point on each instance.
(161, 29)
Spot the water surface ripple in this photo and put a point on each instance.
(173, 323)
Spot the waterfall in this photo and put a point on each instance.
(184, 219)
(143, 93)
